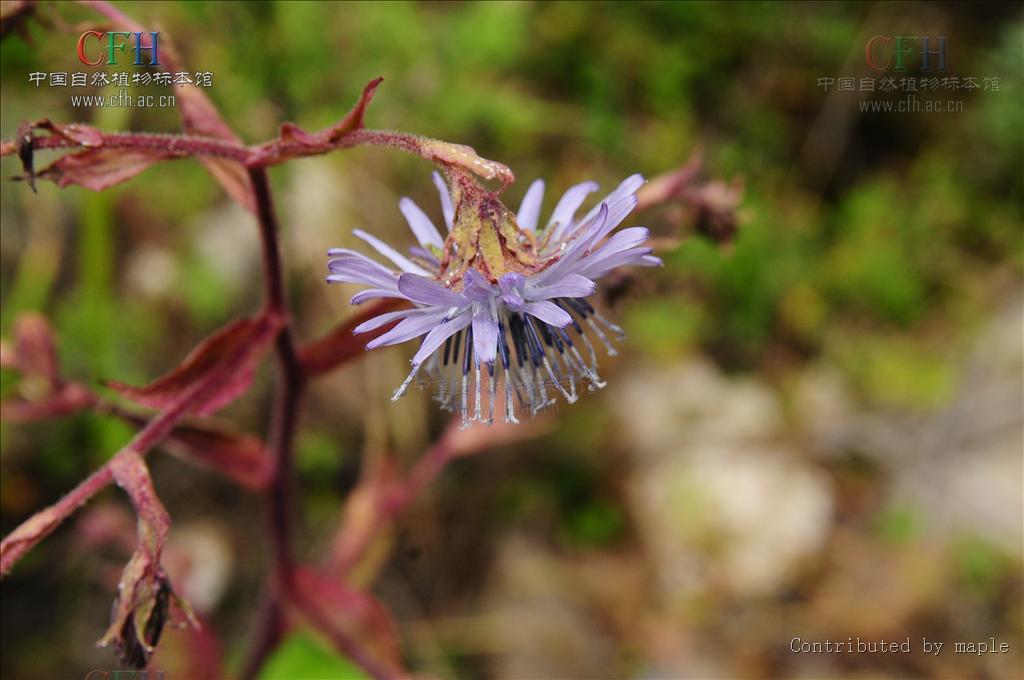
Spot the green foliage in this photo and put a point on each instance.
(303, 657)
(664, 327)
(980, 565)
(898, 525)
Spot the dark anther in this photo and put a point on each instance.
(447, 349)
(467, 358)
(575, 324)
(458, 341)
(503, 345)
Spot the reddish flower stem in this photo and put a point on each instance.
(280, 440)
(280, 489)
(269, 630)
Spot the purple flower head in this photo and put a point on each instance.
(500, 294)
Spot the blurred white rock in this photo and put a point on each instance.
(719, 502)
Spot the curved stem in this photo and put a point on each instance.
(288, 390)
(280, 490)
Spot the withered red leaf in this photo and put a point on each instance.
(241, 344)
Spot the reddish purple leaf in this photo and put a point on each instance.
(69, 399)
(293, 141)
(340, 345)
(669, 185)
(77, 133)
(364, 514)
(144, 593)
(233, 177)
(34, 529)
(41, 391)
(242, 457)
(717, 209)
(353, 120)
(101, 167)
(8, 356)
(199, 390)
(14, 17)
(200, 117)
(242, 342)
(354, 614)
(34, 353)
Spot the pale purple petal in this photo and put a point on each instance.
(438, 335)
(650, 261)
(529, 210)
(347, 269)
(616, 214)
(623, 240)
(428, 291)
(570, 285)
(408, 328)
(568, 205)
(401, 261)
(373, 294)
(424, 230)
(511, 285)
(549, 313)
(446, 200)
(576, 250)
(344, 254)
(631, 257)
(425, 255)
(384, 319)
(627, 187)
(485, 335)
(477, 287)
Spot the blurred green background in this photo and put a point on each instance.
(813, 432)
